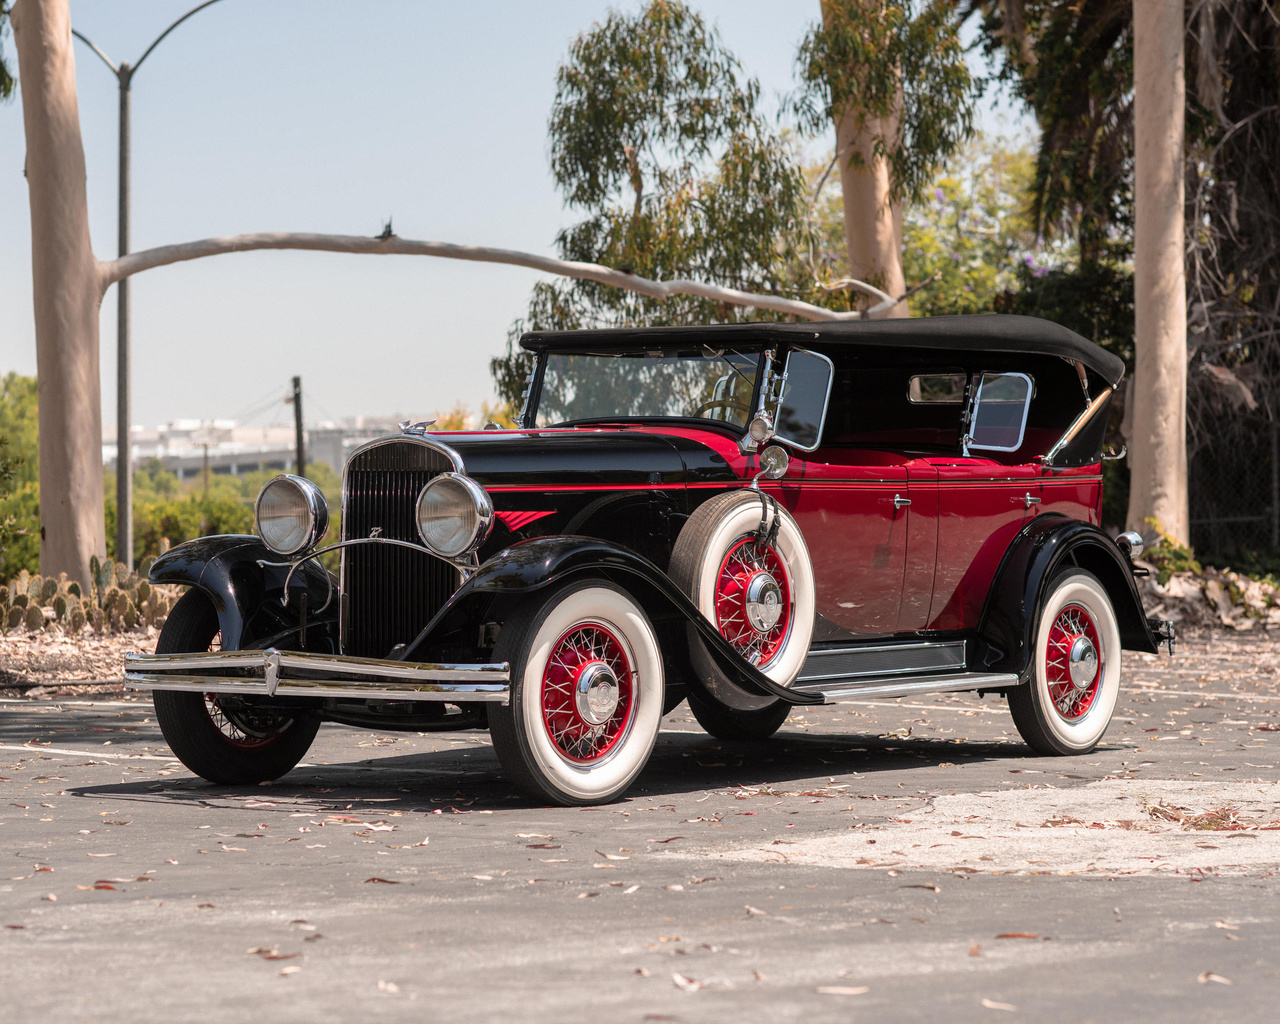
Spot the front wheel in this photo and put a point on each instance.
(586, 694)
(226, 740)
(1066, 705)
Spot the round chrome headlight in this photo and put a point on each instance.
(291, 514)
(454, 515)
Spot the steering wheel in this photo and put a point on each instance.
(719, 403)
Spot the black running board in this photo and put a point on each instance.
(833, 690)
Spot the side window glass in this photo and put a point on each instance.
(937, 389)
(804, 399)
(1000, 412)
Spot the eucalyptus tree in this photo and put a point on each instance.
(892, 79)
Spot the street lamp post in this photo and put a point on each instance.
(124, 73)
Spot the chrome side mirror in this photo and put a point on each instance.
(774, 463)
(1131, 544)
(759, 430)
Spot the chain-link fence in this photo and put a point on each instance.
(1234, 486)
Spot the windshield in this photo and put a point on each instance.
(710, 385)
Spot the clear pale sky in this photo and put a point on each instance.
(325, 116)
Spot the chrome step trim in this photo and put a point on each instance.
(835, 690)
(880, 660)
(297, 674)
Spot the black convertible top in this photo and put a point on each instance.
(990, 332)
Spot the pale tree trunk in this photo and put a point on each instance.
(1158, 448)
(872, 222)
(66, 293)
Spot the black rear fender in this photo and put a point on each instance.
(1045, 547)
(247, 595)
(515, 573)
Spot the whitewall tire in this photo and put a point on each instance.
(760, 598)
(587, 691)
(1066, 705)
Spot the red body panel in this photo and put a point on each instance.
(857, 538)
(881, 569)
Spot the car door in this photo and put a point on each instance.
(852, 507)
(982, 500)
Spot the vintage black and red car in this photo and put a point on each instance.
(747, 517)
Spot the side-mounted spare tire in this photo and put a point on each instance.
(742, 559)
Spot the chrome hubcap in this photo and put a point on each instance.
(1082, 663)
(596, 693)
(764, 602)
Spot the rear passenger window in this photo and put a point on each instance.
(1000, 412)
(937, 389)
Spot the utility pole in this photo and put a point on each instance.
(124, 449)
(299, 437)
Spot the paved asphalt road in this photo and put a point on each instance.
(846, 870)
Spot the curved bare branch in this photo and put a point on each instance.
(111, 271)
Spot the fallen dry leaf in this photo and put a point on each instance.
(629, 890)
(388, 986)
(756, 911)
(991, 1004)
(1223, 924)
(384, 881)
(1017, 935)
(291, 969)
(612, 856)
(843, 990)
(1209, 976)
(687, 984)
(931, 888)
(671, 840)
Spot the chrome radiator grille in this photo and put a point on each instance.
(388, 592)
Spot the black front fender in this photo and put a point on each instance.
(246, 594)
(527, 567)
(1045, 546)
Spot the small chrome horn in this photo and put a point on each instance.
(1131, 544)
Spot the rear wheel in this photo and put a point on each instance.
(224, 739)
(586, 694)
(1066, 706)
(738, 726)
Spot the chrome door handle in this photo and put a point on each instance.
(1030, 500)
(900, 502)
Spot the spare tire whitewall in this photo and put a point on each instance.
(587, 692)
(1066, 705)
(761, 599)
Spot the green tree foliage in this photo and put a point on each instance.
(656, 135)
(19, 473)
(1076, 75)
(880, 58)
(7, 81)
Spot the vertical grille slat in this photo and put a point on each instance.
(389, 592)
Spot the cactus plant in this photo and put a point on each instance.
(15, 617)
(34, 619)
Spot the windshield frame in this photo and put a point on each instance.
(533, 398)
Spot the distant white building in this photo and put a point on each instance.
(182, 446)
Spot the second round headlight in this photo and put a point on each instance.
(454, 515)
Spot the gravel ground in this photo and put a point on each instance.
(892, 860)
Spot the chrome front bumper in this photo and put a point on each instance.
(271, 673)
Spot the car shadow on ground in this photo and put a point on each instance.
(681, 764)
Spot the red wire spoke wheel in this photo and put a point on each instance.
(586, 697)
(588, 693)
(1072, 664)
(753, 601)
(1065, 704)
(246, 728)
(761, 599)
